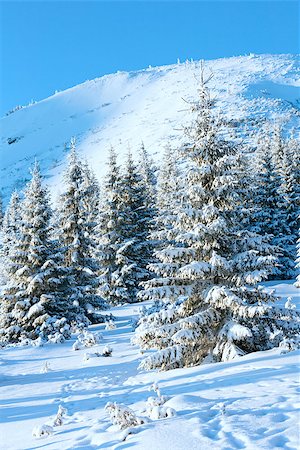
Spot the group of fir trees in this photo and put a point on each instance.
(65, 266)
(275, 195)
(196, 241)
(51, 271)
(207, 305)
(297, 284)
(126, 220)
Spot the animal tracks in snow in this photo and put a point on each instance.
(248, 403)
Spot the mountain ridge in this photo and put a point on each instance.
(125, 108)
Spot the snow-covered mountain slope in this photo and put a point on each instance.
(251, 402)
(125, 108)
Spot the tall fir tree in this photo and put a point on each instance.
(78, 243)
(125, 249)
(293, 149)
(11, 223)
(290, 192)
(297, 283)
(269, 214)
(32, 304)
(1, 211)
(147, 170)
(209, 310)
(91, 204)
(168, 202)
(169, 188)
(8, 234)
(277, 144)
(135, 250)
(109, 232)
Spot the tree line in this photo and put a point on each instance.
(195, 236)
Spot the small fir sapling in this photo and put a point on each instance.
(86, 357)
(107, 351)
(221, 407)
(289, 304)
(56, 330)
(154, 405)
(154, 387)
(76, 346)
(42, 431)
(46, 367)
(110, 325)
(161, 412)
(122, 416)
(289, 345)
(58, 420)
(87, 339)
(45, 430)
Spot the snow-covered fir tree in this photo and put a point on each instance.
(168, 200)
(297, 283)
(78, 243)
(1, 211)
(8, 234)
(208, 309)
(32, 304)
(290, 191)
(277, 146)
(126, 217)
(293, 149)
(245, 177)
(109, 232)
(91, 198)
(11, 223)
(168, 183)
(147, 170)
(135, 250)
(269, 215)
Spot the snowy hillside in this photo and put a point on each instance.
(125, 108)
(249, 403)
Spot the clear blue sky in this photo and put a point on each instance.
(49, 45)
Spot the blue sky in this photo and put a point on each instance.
(52, 45)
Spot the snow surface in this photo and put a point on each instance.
(123, 109)
(251, 402)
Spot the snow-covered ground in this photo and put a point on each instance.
(123, 109)
(251, 402)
